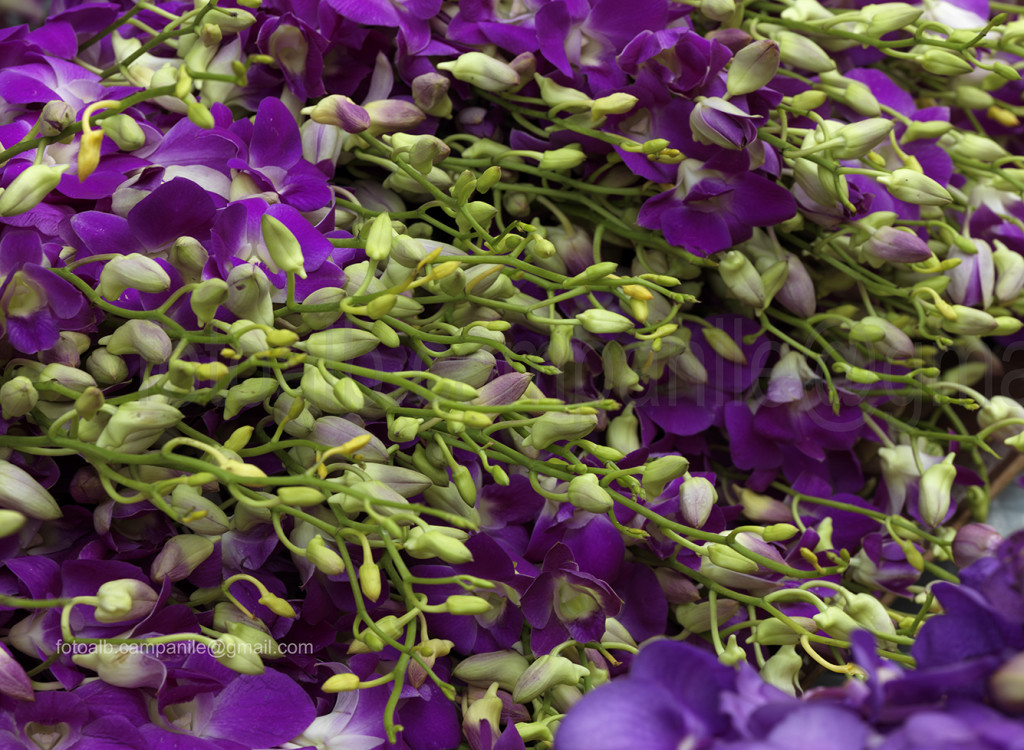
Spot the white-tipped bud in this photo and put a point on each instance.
(934, 491)
(697, 497)
(483, 71)
(753, 67)
(132, 271)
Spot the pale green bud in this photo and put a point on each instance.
(554, 426)
(180, 556)
(124, 131)
(189, 256)
(661, 471)
(836, 623)
(803, 53)
(20, 491)
(604, 321)
(349, 394)
(284, 248)
(586, 493)
(247, 393)
(861, 137)
(328, 295)
(624, 432)
(300, 497)
(974, 146)
(934, 491)
(753, 67)
(11, 522)
(742, 278)
(18, 396)
(970, 321)
(566, 157)
(317, 391)
(379, 237)
(502, 667)
(233, 653)
(199, 514)
(772, 632)
(565, 98)
(132, 271)
(325, 559)
(482, 71)
(886, 17)
(404, 429)
(136, 425)
(423, 152)
(143, 337)
(944, 63)
(617, 372)
(871, 613)
(124, 599)
(249, 294)
(697, 497)
(339, 343)
(726, 557)
(57, 115)
(618, 103)
(441, 542)
(463, 604)
(782, 670)
(723, 345)
(697, 617)
(28, 189)
(106, 368)
(546, 672)
(914, 187)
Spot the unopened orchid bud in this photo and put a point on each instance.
(284, 247)
(1009, 273)
(235, 654)
(697, 617)
(861, 137)
(349, 394)
(562, 97)
(441, 542)
(782, 670)
(661, 471)
(887, 17)
(715, 121)
(723, 345)
(483, 71)
(180, 556)
(325, 559)
(345, 682)
(11, 522)
(188, 256)
(914, 187)
(546, 672)
(624, 431)
(753, 67)
(393, 115)
(896, 245)
(430, 92)
(29, 188)
(618, 103)
(553, 426)
(18, 396)
(974, 146)
(970, 321)
(379, 237)
(772, 632)
(339, 343)
(870, 613)
(484, 710)
(247, 393)
(944, 63)
(327, 295)
(249, 294)
(599, 321)
(136, 425)
(199, 514)
(300, 497)
(464, 604)
(726, 557)
(934, 491)
(974, 541)
(106, 368)
(342, 112)
(132, 271)
(557, 159)
(927, 129)
(230, 20)
(697, 497)
(803, 53)
(501, 667)
(143, 337)
(123, 667)
(742, 279)
(586, 493)
(422, 151)
(836, 622)
(124, 599)
(56, 116)
(124, 131)
(21, 492)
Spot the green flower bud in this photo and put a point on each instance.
(944, 63)
(284, 248)
(934, 491)
(136, 425)
(199, 514)
(247, 393)
(723, 345)
(344, 682)
(697, 497)
(553, 426)
(501, 667)
(782, 670)
(340, 111)
(325, 559)
(235, 654)
(697, 617)
(726, 557)
(886, 17)
(328, 295)
(779, 532)
(465, 484)
(463, 604)
(124, 131)
(565, 98)
(871, 613)
(546, 672)
(57, 115)
(604, 321)
(423, 152)
(753, 67)
(802, 53)
(718, 10)
(249, 294)
(861, 137)
(914, 187)
(230, 20)
(180, 556)
(132, 271)
(586, 493)
(339, 344)
(189, 257)
(124, 599)
(106, 368)
(970, 321)
(441, 542)
(200, 114)
(301, 497)
(482, 71)
(19, 491)
(18, 397)
(661, 471)
(772, 632)
(623, 432)
(404, 429)
(349, 395)
(29, 188)
(619, 103)
(742, 278)
(11, 522)
(143, 337)
(617, 372)
(379, 237)
(836, 623)
(1007, 325)
(567, 157)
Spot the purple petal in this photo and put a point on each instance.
(275, 139)
(260, 710)
(175, 209)
(624, 714)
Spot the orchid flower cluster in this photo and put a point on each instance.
(396, 373)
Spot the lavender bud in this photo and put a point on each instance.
(123, 667)
(697, 497)
(132, 271)
(180, 556)
(482, 71)
(57, 115)
(393, 115)
(973, 541)
(896, 245)
(697, 617)
(430, 92)
(715, 121)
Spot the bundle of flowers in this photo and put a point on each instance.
(492, 375)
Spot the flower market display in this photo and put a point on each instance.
(505, 374)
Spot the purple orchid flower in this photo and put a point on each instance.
(711, 210)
